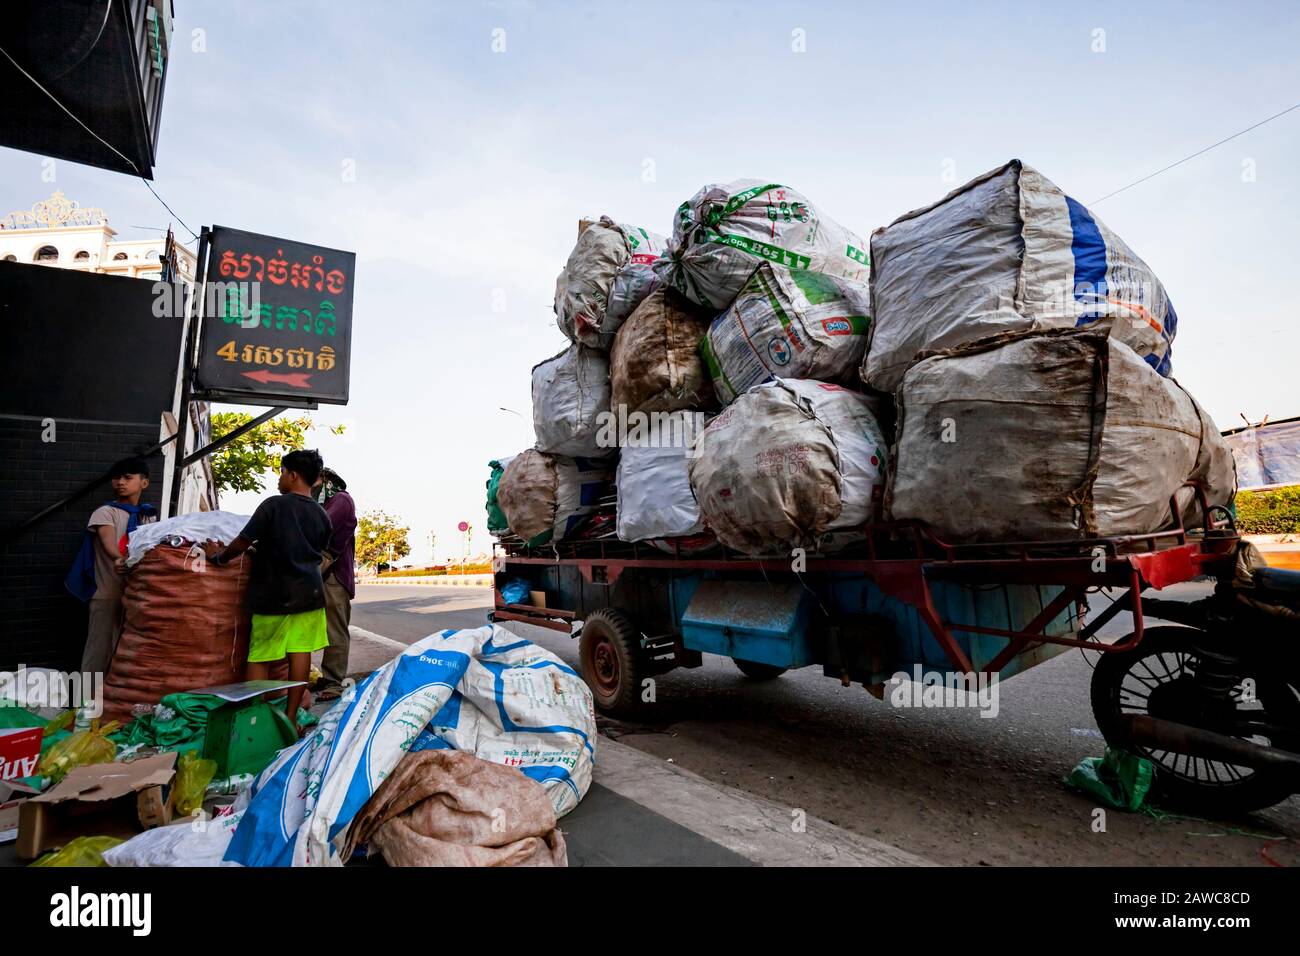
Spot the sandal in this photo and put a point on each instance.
(327, 695)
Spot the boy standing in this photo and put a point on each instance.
(286, 595)
(99, 574)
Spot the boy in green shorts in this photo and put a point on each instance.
(285, 593)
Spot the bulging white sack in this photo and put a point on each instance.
(570, 391)
(790, 464)
(725, 231)
(1007, 252)
(1048, 436)
(607, 275)
(654, 490)
(788, 323)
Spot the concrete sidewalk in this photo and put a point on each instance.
(642, 811)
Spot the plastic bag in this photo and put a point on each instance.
(516, 592)
(1119, 779)
(193, 774)
(81, 749)
(83, 851)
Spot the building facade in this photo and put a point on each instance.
(61, 233)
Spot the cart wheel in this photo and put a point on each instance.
(613, 664)
(1158, 678)
(756, 671)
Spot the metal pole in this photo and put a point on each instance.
(192, 319)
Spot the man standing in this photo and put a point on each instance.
(340, 582)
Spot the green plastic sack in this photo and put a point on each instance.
(81, 749)
(1119, 779)
(193, 774)
(496, 518)
(83, 851)
(183, 720)
(19, 718)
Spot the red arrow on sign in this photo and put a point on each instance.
(296, 379)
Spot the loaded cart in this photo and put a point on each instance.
(1212, 701)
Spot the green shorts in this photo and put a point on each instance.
(275, 635)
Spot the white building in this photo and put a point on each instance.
(60, 232)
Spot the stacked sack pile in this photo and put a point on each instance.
(998, 366)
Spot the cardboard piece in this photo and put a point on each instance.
(11, 796)
(537, 598)
(20, 751)
(107, 799)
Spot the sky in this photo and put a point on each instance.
(455, 146)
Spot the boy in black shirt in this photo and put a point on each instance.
(285, 593)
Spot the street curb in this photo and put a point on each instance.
(360, 633)
(756, 828)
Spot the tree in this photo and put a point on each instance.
(244, 464)
(381, 540)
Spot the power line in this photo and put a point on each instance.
(1195, 154)
(75, 119)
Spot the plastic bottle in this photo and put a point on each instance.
(228, 786)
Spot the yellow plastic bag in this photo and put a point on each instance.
(83, 851)
(80, 750)
(193, 774)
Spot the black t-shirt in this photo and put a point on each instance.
(291, 531)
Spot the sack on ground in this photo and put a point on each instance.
(606, 277)
(570, 391)
(546, 498)
(788, 323)
(655, 364)
(1049, 435)
(1007, 252)
(724, 232)
(790, 464)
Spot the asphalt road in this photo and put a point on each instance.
(946, 783)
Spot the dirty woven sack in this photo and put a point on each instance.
(1083, 437)
(788, 323)
(607, 275)
(449, 808)
(1007, 252)
(655, 364)
(570, 391)
(546, 498)
(724, 232)
(790, 464)
(181, 630)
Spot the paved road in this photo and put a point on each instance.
(945, 783)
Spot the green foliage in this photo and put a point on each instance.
(244, 464)
(1276, 511)
(381, 540)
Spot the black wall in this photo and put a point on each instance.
(86, 351)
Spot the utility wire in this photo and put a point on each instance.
(126, 159)
(1195, 154)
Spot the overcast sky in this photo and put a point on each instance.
(472, 167)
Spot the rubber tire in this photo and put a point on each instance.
(610, 633)
(756, 671)
(1262, 789)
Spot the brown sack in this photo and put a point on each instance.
(449, 808)
(655, 364)
(184, 628)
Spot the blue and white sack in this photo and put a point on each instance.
(484, 691)
(1007, 252)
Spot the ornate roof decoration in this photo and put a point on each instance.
(56, 212)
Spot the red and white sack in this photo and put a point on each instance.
(608, 274)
